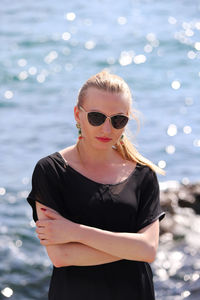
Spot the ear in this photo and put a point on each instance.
(76, 114)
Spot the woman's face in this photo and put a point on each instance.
(103, 136)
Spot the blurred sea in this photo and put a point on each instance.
(47, 51)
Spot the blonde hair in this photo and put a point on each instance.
(115, 84)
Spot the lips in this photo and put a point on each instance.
(103, 139)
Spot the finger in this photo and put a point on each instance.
(45, 242)
(51, 214)
(42, 223)
(51, 209)
(40, 230)
(41, 236)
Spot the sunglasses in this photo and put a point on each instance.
(96, 118)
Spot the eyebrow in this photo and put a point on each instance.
(97, 110)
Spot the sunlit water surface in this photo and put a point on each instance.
(48, 50)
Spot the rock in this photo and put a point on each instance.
(175, 200)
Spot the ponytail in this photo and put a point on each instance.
(128, 151)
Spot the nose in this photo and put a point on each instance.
(106, 127)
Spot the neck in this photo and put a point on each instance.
(92, 157)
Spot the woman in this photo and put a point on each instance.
(96, 203)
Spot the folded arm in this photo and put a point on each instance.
(77, 254)
(74, 253)
(140, 246)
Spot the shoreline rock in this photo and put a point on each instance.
(179, 201)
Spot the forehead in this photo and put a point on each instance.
(106, 101)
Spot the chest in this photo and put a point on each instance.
(112, 174)
(109, 207)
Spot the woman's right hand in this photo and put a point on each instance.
(44, 208)
(56, 229)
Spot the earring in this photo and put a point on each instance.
(79, 131)
(121, 140)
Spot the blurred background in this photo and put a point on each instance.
(48, 49)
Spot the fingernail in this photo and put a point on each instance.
(42, 208)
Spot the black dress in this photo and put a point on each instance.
(127, 206)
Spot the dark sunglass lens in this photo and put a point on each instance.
(119, 122)
(96, 118)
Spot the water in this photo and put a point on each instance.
(48, 50)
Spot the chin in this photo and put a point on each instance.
(102, 146)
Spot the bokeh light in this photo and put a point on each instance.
(176, 84)
(49, 58)
(172, 20)
(23, 75)
(7, 292)
(162, 164)
(89, 45)
(197, 46)
(170, 149)
(66, 36)
(187, 129)
(22, 62)
(70, 16)
(122, 20)
(32, 70)
(8, 94)
(2, 191)
(126, 58)
(172, 130)
(139, 59)
(191, 54)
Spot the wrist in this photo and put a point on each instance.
(85, 233)
(78, 233)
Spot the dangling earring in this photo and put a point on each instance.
(79, 131)
(121, 140)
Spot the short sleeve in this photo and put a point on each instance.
(43, 189)
(149, 209)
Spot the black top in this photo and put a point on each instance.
(127, 206)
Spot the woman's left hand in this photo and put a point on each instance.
(56, 229)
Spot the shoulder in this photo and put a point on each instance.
(54, 163)
(44, 162)
(69, 153)
(51, 158)
(147, 175)
(48, 164)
